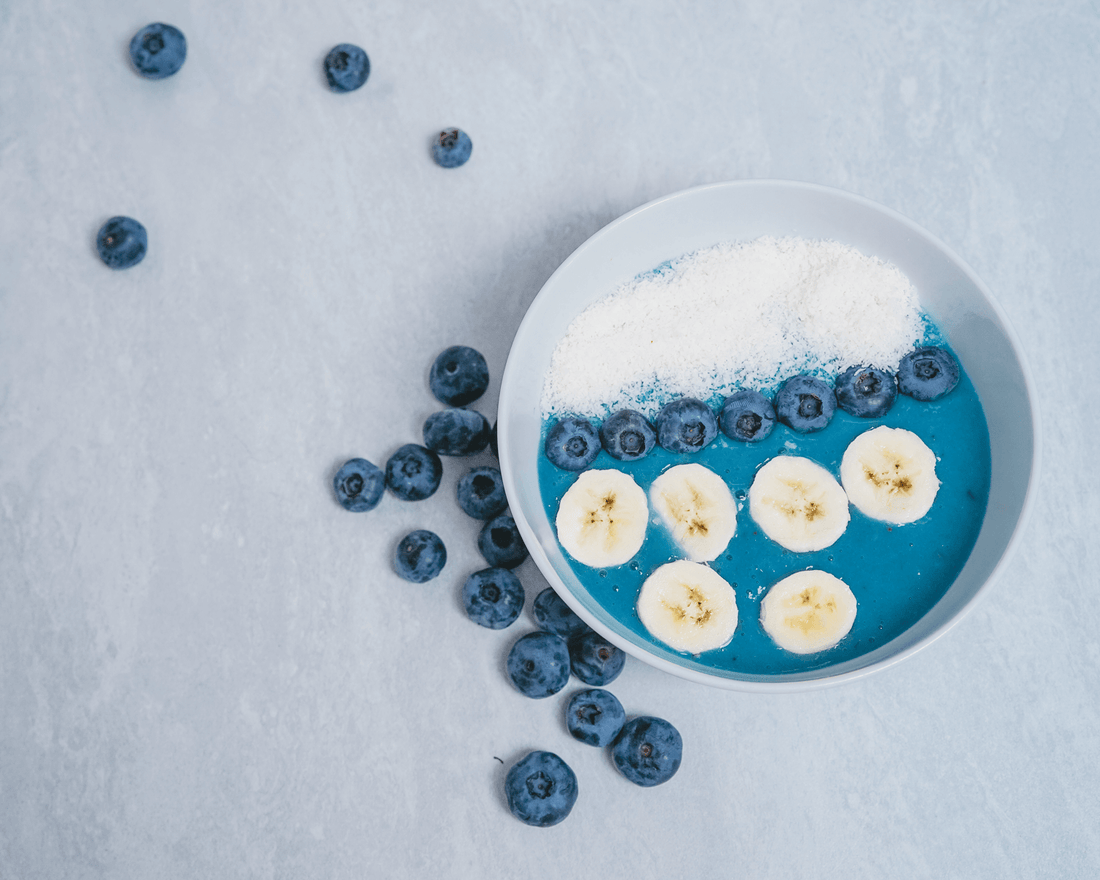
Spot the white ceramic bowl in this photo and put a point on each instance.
(696, 218)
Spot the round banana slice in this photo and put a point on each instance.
(808, 612)
(890, 474)
(696, 505)
(688, 606)
(602, 519)
(798, 504)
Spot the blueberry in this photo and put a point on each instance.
(686, 425)
(451, 148)
(648, 751)
(865, 392)
(553, 615)
(928, 373)
(594, 660)
(158, 50)
(413, 472)
(538, 664)
(500, 542)
(122, 242)
(805, 404)
(346, 67)
(420, 556)
(541, 789)
(459, 375)
(594, 717)
(627, 436)
(456, 432)
(481, 493)
(493, 597)
(359, 485)
(572, 444)
(747, 416)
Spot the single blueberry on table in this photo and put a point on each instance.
(359, 485)
(122, 242)
(627, 435)
(456, 432)
(538, 664)
(572, 444)
(481, 493)
(648, 751)
(459, 375)
(541, 789)
(594, 717)
(419, 556)
(805, 404)
(594, 660)
(686, 425)
(413, 472)
(493, 597)
(500, 543)
(346, 67)
(158, 50)
(928, 373)
(747, 416)
(865, 392)
(553, 615)
(451, 148)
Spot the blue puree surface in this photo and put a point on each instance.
(897, 573)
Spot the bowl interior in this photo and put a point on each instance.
(739, 211)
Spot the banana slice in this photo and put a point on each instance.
(808, 612)
(688, 606)
(696, 505)
(798, 504)
(890, 475)
(602, 519)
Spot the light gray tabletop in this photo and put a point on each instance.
(208, 668)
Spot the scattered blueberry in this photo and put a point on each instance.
(413, 472)
(420, 556)
(122, 242)
(865, 392)
(572, 444)
(686, 425)
(627, 436)
(500, 542)
(553, 615)
(747, 416)
(451, 148)
(158, 50)
(594, 660)
(594, 717)
(541, 789)
(481, 493)
(493, 597)
(648, 751)
(805, 404)
(346, 67)
(456, 432)
(538, 664)
(928, 373)
(359, 485)
(459, 375)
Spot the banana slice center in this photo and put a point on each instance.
(692, 609)
(800, 503)
(817, 614)
(894, 477)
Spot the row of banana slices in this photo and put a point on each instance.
(887, 473)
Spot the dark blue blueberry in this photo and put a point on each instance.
(500, 542)
(346, 67)
(420, 556)
(805, 404)
(359, 485)
(481, 493)
(686, 425)
(122, 242)
(538, 664)
(541, 789)
(413, 472)
(865, 392)
(594, 660)
(456, 432)
(747, 416)
(594, 717)
(627, 436)
(158, 50)
(648, 751)
(572, 444)
(493, 597)
(459, 375)
(553, 615)
(928, 373)
(451, 148)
